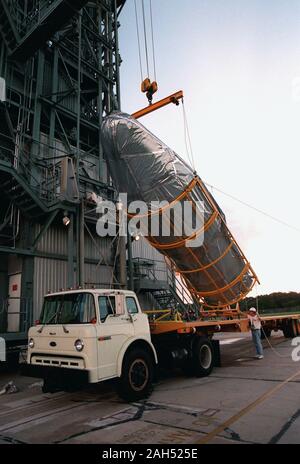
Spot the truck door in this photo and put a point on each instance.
(114, 329)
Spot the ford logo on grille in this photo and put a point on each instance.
(52, 344)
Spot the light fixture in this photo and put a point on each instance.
(66, 219)
(135, 237)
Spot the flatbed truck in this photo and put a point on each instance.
(91, 335)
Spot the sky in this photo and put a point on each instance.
(238, 64)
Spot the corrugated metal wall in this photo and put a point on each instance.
(98, 276)
(98, 248)
(142, 249)
(55, 241)
(49, 274)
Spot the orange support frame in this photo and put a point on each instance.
(196, 293)
(174, 98)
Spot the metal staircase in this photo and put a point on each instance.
(15, 172)
(21, 194)
(176, 298)
(25, 34)
(168, 292)
(32, 186)
(19, 185)
(8, 31)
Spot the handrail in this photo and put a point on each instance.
(25, 312)
(182, 299)
(22, 165)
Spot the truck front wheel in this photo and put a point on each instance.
(50, 386)
(136, 379)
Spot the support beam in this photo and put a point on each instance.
(122, 263)
(174, 98)
(51, 17)
(130, 261)
(81, 247)
(121, 248)
(36, 131)
(26, 316)
(70, 277)
(44, 230)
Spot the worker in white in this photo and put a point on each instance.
(255, 325)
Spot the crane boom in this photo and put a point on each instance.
(174, 98)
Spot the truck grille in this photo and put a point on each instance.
(58, 361)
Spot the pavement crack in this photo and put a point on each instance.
(251, 378)
(156, 407)
(233, 434)
(275, 439)
(137, 416)
(141, 408)
(13, 441)
(49, 414)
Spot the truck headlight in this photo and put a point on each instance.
(31, 343)
(79, 345)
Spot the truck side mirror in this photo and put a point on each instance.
(132, 317)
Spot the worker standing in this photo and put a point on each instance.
(255, 325)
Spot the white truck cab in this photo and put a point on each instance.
(87, 336)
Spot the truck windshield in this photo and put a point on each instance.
(69, 308)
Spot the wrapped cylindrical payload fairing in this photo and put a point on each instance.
(208, 258)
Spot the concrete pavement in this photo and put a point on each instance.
(180, 410)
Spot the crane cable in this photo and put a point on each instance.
(187, 138)
(280, 221)
(145, 37)
(148, 84)
(152, 37)
(138, 39)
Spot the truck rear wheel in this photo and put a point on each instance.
(201, 361)
(203, 357)
(265, 333)
(135, 382)
(291, 329)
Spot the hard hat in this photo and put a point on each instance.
(253, 310)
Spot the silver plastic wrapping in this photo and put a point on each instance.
(148, 170)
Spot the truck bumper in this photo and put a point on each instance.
(58, 376)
